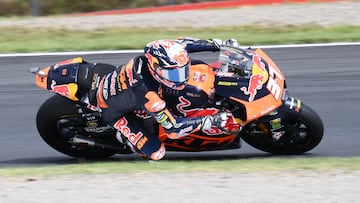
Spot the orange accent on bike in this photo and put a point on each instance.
(172, 135)
(162, 134)
(41, 78)
(263, 55)
(71, 61)
(194, 142)
(260, 107)
(203, 77)
(99, 95)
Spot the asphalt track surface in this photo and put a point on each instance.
(325, 78)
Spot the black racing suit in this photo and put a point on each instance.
(131, 87)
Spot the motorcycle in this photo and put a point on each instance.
(245, 82)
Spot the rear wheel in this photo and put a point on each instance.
(48, 117)
(299, 132)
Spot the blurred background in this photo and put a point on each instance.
(53, 7)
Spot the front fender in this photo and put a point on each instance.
(276, 119)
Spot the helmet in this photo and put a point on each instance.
(169, 63)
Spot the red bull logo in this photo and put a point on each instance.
(255, 84)
(258, 62)
(67, 90)
(258, 78)
(62, 90)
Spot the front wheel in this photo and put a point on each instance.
(287, 133)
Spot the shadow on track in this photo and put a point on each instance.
(49, 161)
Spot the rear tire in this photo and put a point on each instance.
(303, 132)
(50, 112)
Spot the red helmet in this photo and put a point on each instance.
(169, 63)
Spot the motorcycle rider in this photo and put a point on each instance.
(135, 86)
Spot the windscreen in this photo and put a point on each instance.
(235, 61)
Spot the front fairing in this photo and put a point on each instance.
(250, 78)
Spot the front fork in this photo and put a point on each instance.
(273, 124)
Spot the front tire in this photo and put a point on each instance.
(302, 131)
(50, 112)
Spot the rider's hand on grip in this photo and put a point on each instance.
(217, 43)
(230, 42)
(217, 120)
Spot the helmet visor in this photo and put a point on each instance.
(176, 75)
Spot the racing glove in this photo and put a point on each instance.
(185, 126)
(219, 120)
(230, 42)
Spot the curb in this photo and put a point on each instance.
(202, 5)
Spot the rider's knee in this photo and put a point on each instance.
(159, 154)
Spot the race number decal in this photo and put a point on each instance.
(272, 84)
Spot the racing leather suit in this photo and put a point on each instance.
(131, 87)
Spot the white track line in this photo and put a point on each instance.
(139, 51)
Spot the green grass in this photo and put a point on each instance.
(17, 39)
(285, 164)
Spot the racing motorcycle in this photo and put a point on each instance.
(245, 82)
